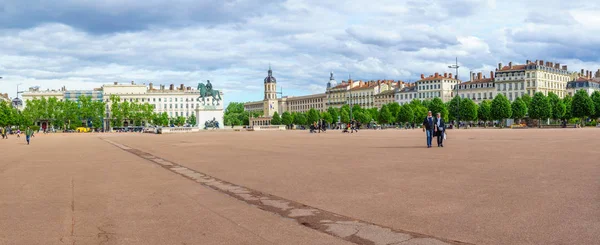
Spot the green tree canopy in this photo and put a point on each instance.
(192, 120)
(540, 107)
(519, 109)
(453, 106)
(484, 112)
(501, 108)
(287, 119)
(313, 116)
(335, 113)
(345, 116)
(406, 114)
(275, 119)
(582, 105)
(568, 101)
(363, 117)
(468, 110)
(385, 115)
(437, 106)
(557, 106)
(394, 108)
(527, 100)
(596, 99)
(300, 119)
(327, 117)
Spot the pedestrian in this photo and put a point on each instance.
(2, 132)
(18, 133)
(428, 128)
(28, 134)
(440, 129)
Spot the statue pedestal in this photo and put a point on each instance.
(209, 112)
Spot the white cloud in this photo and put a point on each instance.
(232, 42)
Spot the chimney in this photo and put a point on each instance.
(151, 86)
(557, 66)
(449, 75)
(188, 88)
(436, 74)
(445, 74)
(510, 65)
(550, 64)
(171, 87)
(527, 62)
(581, 74)
(541, 62)
(491, 74)
(115, 83)
(422, 76)
(564, 67)
(499, 66)
(181, 87)
(479, 73)
(132, 83)
(598, 74)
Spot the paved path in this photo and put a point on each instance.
(484, 187)
(78, 189)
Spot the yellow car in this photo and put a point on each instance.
(83, 130)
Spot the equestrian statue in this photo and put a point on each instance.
(206, 91)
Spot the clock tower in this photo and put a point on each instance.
(270, 102)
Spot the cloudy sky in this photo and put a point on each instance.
(83, 44)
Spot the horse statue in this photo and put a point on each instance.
(207, 91)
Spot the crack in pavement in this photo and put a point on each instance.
(344, 227)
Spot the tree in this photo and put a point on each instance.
(406, 114)
(596, 99)
(568, 101)
(275, 119)
(235, 115)
(192, 120)
(385, 115)
(420, 113)
(286, 118)
(519, 109)
(453, 107)
(345, 116)
(540, 107)
(437, 106)
(313, 116)
(484, 113)
(557, 106)
(363, 117)
(582, 105)
(326, 117)
(300, 119)
(373, 112)
(501, 108)
(334, 113)
(527, 100)
(394, 108)
(468, 110)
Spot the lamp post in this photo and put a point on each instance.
(455, 66)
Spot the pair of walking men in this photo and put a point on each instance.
(434, 127)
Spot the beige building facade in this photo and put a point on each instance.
(437, 85)
(535, 76)
(478, 88)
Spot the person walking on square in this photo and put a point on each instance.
(428, 128)
(439, 129)
(2, 132)
(28, 134)
(18, 133)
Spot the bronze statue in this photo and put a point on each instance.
(207, 91)
(211, 124)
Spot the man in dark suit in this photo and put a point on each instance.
(439, 129)
(428, 128)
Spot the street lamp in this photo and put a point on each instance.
(455, 66)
